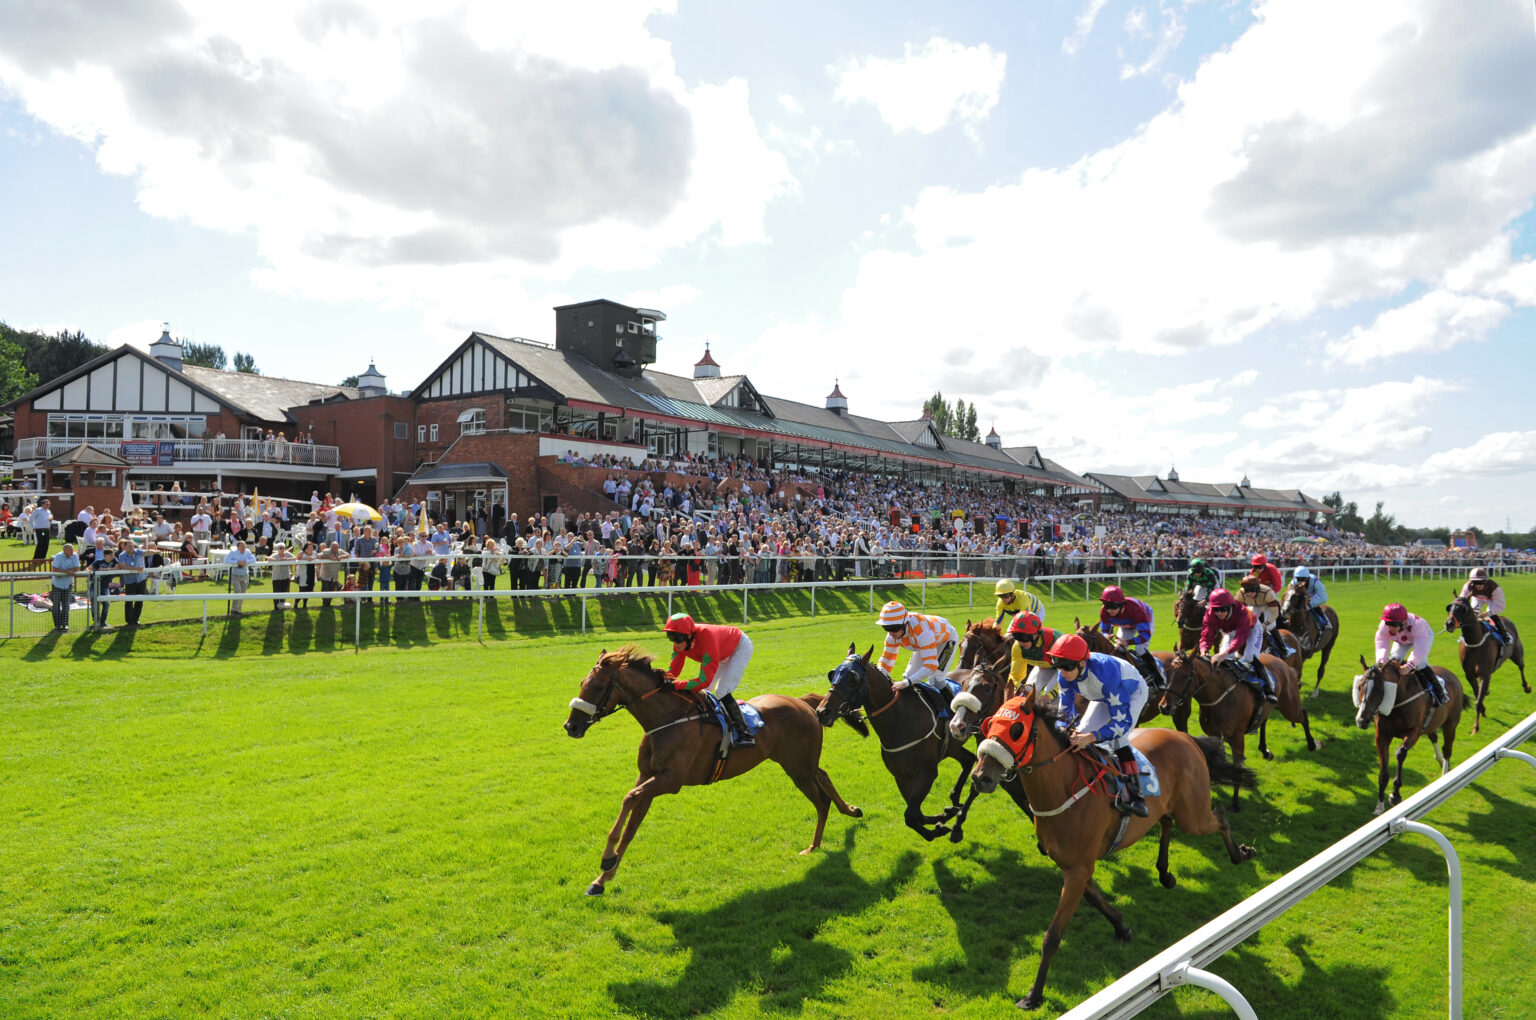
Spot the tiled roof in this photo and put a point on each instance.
(263, 396)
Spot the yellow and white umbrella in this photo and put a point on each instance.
(358, 512)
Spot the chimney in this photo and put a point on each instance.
(165, 350)
(836, 402)
(706, 367)
(371, 383)
(994, 440)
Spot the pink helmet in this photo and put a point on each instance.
(1221, 598)
(1113, 595)
(1394, 613)
(1478, 574)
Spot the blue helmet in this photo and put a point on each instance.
(1302, 573)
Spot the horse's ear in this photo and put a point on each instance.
(852, 648)
(867, 654)
(1363, 663)
(1077, 623)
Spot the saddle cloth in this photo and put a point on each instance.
(1151, 785)
(1493, 631)
(749, 715)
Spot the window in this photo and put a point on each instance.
(402, 430)
(432, 433)
(472, 421)
(421, 433)
(105, 478)
(528, 417)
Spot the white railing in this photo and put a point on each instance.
(1183, 963)
(248, 451)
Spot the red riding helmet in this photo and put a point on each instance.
(1071, 647)
(1259, 559)
(1112, 595)
(1025, 625)
(1220, 599)
(680, 623)
(1394, 613)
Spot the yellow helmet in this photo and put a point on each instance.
(1003, 587)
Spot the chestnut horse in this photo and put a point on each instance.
(912, 740)
(1189, 614)
(1227, 704)
(1298, 619)
(1077, 830)
(1393, 694)
(1481, 654)
(1098, 641)
(682, 739)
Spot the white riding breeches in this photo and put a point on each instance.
(916, 671)
(732, 667)
(1251, 648)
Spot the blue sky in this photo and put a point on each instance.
(1292, 240)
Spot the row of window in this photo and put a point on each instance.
(96, 426)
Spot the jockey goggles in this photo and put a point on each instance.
(1058, 663)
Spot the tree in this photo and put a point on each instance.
(937, 408)
(48, 356)
(958, 420)
(14, 377)
(972, 431)
(246, 363)
(350, 380)
(1348, 516)
(1382, 528)
(203, 355)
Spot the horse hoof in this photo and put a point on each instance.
(1030, 1002)
(956, 836)
(595, 889)
(855, 812)
(609, 863)
(1380, 807)
(1247, 852)
(1168, 880)
(808, 850)
(1124, 935)
(1268, 755)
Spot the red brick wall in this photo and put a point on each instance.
(445, 415)
(364, 430)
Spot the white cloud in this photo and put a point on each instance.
(1497, 453)
(1434, 322)
(1084, 25)
(927, 88)
(1170, 34)
(791, 105)
(368, 148)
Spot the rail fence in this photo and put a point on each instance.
(168, 603)
(1184, 962)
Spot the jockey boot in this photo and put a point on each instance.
(1134, 804)
(1266, 681)
(1432, 682)
(1498, 628)
(1149, 670)
(739, 737)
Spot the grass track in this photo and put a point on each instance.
(226, 827)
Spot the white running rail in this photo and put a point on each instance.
(1183, 963)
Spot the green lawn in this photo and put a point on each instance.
(264, 822)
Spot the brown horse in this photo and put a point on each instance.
(1299, 620)
(1393, 694)
(1078, 829)
(1098, 641)
(983, 689)
(1227, 704)
(682, 739)
(1481, 655)
(1189, 614)
(912, 739)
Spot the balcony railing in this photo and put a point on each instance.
(184, 451)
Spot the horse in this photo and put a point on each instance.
(1078, 829)
(1098, 641)
(1298, 618)
(912, 740)
(1228, 705)
(674, 754)
(1394, 695)
(1189, 614)
(1481, 656)
(983, 642)
(983, 689)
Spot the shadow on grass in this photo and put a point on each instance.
(1336, 990)
(765, 941)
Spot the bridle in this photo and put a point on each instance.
(1191, 689)
(601, 709)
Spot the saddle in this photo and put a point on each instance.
(937, 693)
(1105, 761)
(1493, 630)
(712, 709)
(1246, 675)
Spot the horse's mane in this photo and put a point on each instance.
(632, 655)
(1049, 710)
(987, 623)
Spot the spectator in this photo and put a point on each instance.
(281, 562)
(65, 566)
(329, 569)
(41, 521)
(132, 559)
(239, 562)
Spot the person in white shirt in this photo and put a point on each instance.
(41, 521)
(239, 560)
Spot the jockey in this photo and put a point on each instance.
(1410, 637)
(1317, 596)
(1031, 643)
(931, 639)
(1487, 598)
(1234, 628)
(1202, 579)
(1267, 571)
(1254, 592)
(1011, 601)
(1129, 621)
(722, 653)
(1116, 694)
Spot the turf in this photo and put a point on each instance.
(265, 822)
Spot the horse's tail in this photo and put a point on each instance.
(1224, 772)
(853, 719)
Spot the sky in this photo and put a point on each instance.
(1287, 240)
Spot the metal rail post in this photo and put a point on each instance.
(1453, 866)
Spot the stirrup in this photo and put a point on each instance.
(741, 738)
